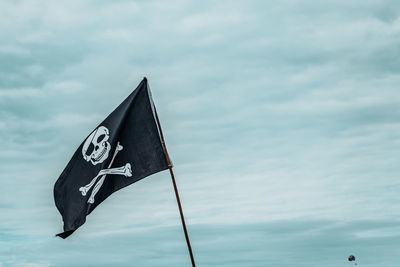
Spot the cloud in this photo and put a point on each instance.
(279, 118)
(282, 242)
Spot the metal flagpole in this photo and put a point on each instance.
(175, 188)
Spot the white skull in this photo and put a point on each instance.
(96, 147)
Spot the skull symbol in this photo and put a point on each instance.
(96, 147)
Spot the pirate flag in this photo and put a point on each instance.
(123, 149)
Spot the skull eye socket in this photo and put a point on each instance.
(90, 149)
(100, 138)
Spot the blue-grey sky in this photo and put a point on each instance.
(281, 117)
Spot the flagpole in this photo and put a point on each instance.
(175, 188)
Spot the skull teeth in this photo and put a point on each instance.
(101, 153)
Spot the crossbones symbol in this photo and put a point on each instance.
(99, 139)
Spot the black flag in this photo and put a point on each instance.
(123, 149)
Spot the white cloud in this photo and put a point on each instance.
(18, 93)
(26, 264)
(276, 115)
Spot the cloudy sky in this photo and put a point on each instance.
(281, 117)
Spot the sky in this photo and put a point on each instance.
(281, 118)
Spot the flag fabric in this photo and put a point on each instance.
(123, 149)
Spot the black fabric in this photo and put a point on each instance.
(132, 124)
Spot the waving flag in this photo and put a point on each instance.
(123, 149)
